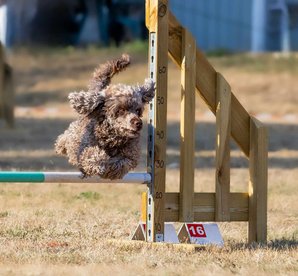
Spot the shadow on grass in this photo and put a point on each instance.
(277, 244)
(40, 135)
(281, 136)
(31, 99)
(32, 134)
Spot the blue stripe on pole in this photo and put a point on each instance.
(22, 177)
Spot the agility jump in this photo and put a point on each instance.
(167, 36)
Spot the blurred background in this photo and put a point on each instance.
(50, 48)
(232, 25)
(72, 22)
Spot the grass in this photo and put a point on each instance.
(85, 229)
(57, 228)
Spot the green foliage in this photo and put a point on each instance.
(219, 52)
(22, 232)
(89, 195)
(137, 46)
(134, 47)
(4, 214)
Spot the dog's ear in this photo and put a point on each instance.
(147, 90)
(85, 102)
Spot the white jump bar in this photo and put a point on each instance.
(69, 177)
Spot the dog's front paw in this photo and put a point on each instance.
(83, 173)
(147, 90)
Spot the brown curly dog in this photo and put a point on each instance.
(104, 140)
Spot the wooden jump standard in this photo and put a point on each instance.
(168, 37)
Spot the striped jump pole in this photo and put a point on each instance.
(68, 177)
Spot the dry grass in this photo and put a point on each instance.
(75, 229)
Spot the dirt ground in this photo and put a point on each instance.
(84, 229)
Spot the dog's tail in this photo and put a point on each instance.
(103, 74)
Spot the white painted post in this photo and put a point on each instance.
(285, 29)
(285, 40)
(258, 32)
(3, 23)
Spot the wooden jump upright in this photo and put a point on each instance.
(168, 37)
(157, 23)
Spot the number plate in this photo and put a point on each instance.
(196, 230)
(200, 233)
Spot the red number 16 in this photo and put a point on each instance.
(196, 230)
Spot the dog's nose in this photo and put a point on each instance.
(137, 123)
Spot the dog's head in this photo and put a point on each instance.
(121, 105)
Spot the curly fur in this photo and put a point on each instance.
(104, 140)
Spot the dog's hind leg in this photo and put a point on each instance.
(103, 74)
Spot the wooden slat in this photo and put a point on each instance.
(206, 85)
(147, 15)
(151, 15)
(223, 134)
(160, 123)
(187, 127)
(258, 170)
(204, 207)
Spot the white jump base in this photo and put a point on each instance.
(68, 177)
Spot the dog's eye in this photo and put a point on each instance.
(120, 112)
